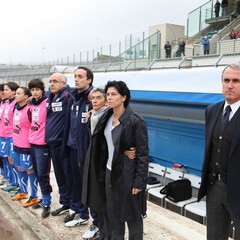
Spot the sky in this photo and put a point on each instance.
(48, 30)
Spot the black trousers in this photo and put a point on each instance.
(135, 227)
(104, 226)
(74, 183)
(219, 217)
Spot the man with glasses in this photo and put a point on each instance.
(57, 104)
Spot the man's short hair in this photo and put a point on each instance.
(235, 66)
(62, 76)
(89, 73)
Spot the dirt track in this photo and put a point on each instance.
(159, 224)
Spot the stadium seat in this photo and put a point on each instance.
(171, 175)
(159, 171)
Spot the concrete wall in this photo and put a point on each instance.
(169, 32)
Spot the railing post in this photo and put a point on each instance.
(130, 46)
(119, 48)
(110, 52)
(143, 44)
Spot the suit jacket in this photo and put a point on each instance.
(233, 173)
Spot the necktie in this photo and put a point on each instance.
(225, 117)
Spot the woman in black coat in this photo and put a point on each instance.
(115, 183)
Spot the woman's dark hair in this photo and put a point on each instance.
(2, 87)
(36, 83)
(121, 88)
(12, 85)
(26, 91)
(89, 73)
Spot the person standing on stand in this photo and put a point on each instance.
(224, 6)
(181, 48)
(206, 45)
(168, 49)
(217, 8)
(220, 172)
(233, 34)
(238, 7)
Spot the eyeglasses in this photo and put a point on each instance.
(54, 81)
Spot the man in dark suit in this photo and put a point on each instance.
(221, 168)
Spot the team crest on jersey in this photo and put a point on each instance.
(16, 118)
(35, 114)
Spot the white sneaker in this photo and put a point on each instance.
(77, 221)
(6, 184)
(3, 181)
(92, 233)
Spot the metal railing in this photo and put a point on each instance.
(22, 77)
(229, 46)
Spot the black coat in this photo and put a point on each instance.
(181, 46)
(217, 7)
(125, 175)
(233, 176)
(238, 7)
(224, 3)
(168, 47)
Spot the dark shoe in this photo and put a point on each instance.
(60, 211)
(46, 211)
(70, 216)
(38, 205)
